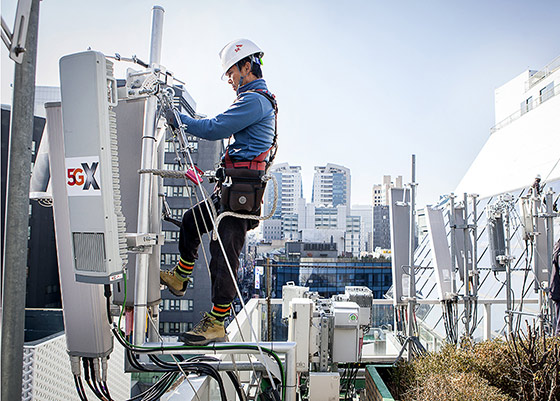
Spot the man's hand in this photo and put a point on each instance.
(172, 119)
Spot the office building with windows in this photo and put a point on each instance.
(381, 233)
(329, 276)
(366, 226)
(283, 224)
(331, 186)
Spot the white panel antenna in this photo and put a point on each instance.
(89, 92)
(496, 240)
(463, 242)
(440, 252)
(399, 212)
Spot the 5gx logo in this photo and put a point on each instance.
(81, 175)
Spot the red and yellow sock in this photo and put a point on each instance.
(184, 269)
(220, 311)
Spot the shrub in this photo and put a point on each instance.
(526, 367)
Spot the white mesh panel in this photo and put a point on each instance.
(47, 375)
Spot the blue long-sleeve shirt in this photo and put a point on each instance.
(250, 119)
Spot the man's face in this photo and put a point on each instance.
(234, 75)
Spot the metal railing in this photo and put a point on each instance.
(543, 97)
(545, 72)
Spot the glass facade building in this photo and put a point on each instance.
(330, 278)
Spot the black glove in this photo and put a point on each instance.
(172, 119)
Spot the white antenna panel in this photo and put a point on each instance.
(89, 93)
(441, 254)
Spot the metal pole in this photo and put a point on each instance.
(453, 244)
(549, 227)
(412, 281)
(145, 191)
(550, 247)
(17, 214)
(508, 272)
(475, 246)
(474, 270)
(268, 306)
(535, 211)
(466, 265)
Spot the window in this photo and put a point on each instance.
(178, 213)
(527, 105)
(169, 258)
(172, 236)
(178, 191)
(547, 92)
(174, 304)
(185, 305)
(174, 327)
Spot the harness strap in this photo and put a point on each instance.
(258, 162)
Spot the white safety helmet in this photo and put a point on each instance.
(236, 51)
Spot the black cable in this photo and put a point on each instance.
(163, 381)
(107, 294)
(232, 376)
(88, 380)
(95, 381)
(80, 388)
(134, 362)
(83, 390)
(159, 388)
(105, 389)
(182, 348)
(193, 366)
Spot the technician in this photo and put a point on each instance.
(250, 125)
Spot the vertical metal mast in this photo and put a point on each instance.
(412, 281)
(452, 239)
(474, 270)
(145, 191)
(509, 305)
(549, 216)
(467, 297)
(17, 213)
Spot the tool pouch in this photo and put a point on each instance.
(244, 192)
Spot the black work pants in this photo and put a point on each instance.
(232, 231)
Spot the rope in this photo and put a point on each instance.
(163, 173)
(250, 216)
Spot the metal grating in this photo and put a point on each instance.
(89, 251)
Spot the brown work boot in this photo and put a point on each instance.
(208, 330)
(175, 281)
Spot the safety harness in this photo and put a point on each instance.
(258, 163)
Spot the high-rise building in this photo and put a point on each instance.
(366, 226)
(381, 237)
(331, 186)
(380, 192)
(283, 223)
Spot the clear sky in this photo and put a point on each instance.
(364, 84)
